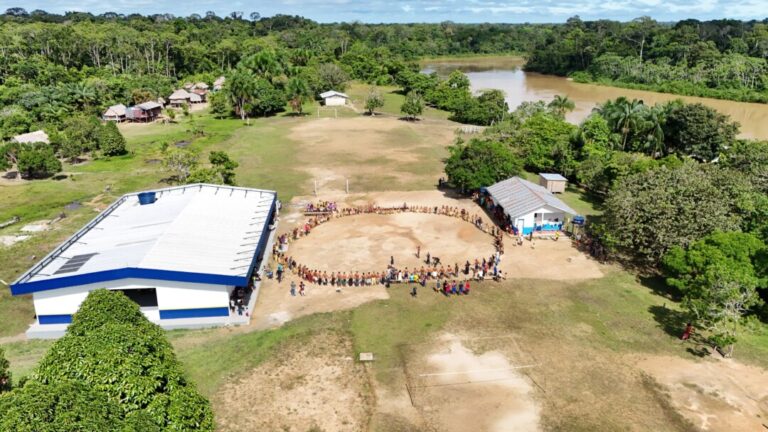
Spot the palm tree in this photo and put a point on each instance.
(623, 116)
(265, 64)
(561, 105)
(297, 91)
(653, 125)
(241, 87)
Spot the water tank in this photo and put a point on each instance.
(146, 198)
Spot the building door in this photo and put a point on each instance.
(520, 225)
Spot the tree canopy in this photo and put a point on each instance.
(480, 163)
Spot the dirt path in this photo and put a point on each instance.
(714, 394)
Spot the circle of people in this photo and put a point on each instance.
(447, 279)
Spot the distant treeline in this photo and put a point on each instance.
(723, 58)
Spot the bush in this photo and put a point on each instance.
(61, 406)
(5, 374)
(37, 161)
(112, 142)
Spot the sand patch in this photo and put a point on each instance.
(312, 383)
(459, 390)
(715, 395)
(36, 227)
(10, 240)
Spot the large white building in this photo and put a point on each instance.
(529, 207)
(182, 253)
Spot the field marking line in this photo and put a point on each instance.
(481, 370)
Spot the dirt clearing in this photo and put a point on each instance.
(366, 242)
(309, 383)
(715, 395)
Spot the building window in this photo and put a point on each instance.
(144, 297)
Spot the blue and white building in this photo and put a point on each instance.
(529, 207)
(180, 253)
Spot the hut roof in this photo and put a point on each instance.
(194, 97)
(115, 111)
(179, 94)
(201, 85)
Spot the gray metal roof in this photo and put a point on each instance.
(149, 105)
(553, 176)
(333, 93)
(519, 197)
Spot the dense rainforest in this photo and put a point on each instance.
(723, 59)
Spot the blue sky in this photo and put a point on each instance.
(425, 10)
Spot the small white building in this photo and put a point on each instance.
(32, 137)
(334, 98)
(185, 254)
(554, 183)
(529, 207)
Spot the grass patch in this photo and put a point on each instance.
(213, 363)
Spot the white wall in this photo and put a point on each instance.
(549, 214)
(170, 295)
(335, 101)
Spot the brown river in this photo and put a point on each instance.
(519, 86)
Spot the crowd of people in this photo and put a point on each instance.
(446, 279)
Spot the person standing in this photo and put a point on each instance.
(279, 272)
(687, 332)
(428, 258)
(418, 251)
(392, 260)
(293, 288)
(301, 288)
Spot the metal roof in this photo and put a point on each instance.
(195, 233)
(333, 93)
(520, 197)
(149, 105)
(553, 177)
(32, 137)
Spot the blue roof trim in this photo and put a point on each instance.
(126, 273)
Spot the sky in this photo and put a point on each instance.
(460, 11)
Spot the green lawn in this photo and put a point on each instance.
(393, 99)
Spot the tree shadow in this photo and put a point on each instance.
(670, 320)
(659, 286)
(410, 119)
(593, 199)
